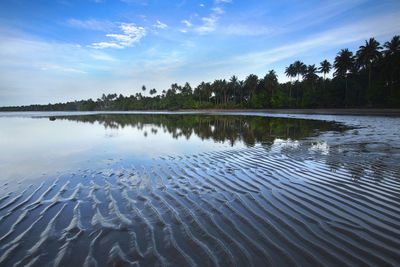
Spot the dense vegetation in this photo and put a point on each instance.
(368, 78)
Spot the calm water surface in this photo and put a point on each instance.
(199, 189)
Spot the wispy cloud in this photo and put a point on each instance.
(91, 24)
(246, 30)
(379, 26)
(160, 25)
(223, 1)
(131, 35)
(218, 10)
(209, 24)
(55, 67)
(187, 23)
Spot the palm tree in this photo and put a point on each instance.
(368, 54)
(271, 81)
(199, 90)
(143, 88)
(392, 57)
(311, 72)
(300, 68)
(153, 91)
(290, 72)
(393, 46)
(325, 67)
(344, 62)
(234, 85)
(251, 83)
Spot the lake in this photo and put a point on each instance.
(199, 188)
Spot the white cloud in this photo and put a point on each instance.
(160, 25)
(187, 23)
(55, 67)
(101, 56)
(218, 10)
(246, 30)
(102, 45)
(202, 5)
(91, 24)
(131, 35)
(209, 24)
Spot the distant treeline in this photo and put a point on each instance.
(368, 78)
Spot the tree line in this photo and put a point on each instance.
(370, 77)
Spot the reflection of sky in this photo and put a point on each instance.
(30, 147)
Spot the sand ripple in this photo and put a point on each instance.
(238, 208)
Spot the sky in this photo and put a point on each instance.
(63, 50)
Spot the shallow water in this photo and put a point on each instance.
(248, 189)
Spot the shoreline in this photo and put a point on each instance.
(392, 112)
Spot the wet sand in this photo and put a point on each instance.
(324, 201)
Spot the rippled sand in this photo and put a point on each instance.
(239, 208)
(331, 200)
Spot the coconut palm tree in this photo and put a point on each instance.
(344, 62)
(290, 72)
(393, 46)
(251, 83)
(143, 88)
(311, 72)
(325, 67)
(153, 91)
(271, 81)
(392, 58)
(234, 85)
(300, 68)
(199, 90)
(368, 54)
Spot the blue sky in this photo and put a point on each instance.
(62, 50)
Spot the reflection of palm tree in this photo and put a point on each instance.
(325, 67)
(367, 54)
(344, 62)
(250, 130)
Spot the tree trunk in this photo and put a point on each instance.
(369, 76)
(345, 92)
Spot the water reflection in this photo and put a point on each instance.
(208, 204)
(231, 129)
